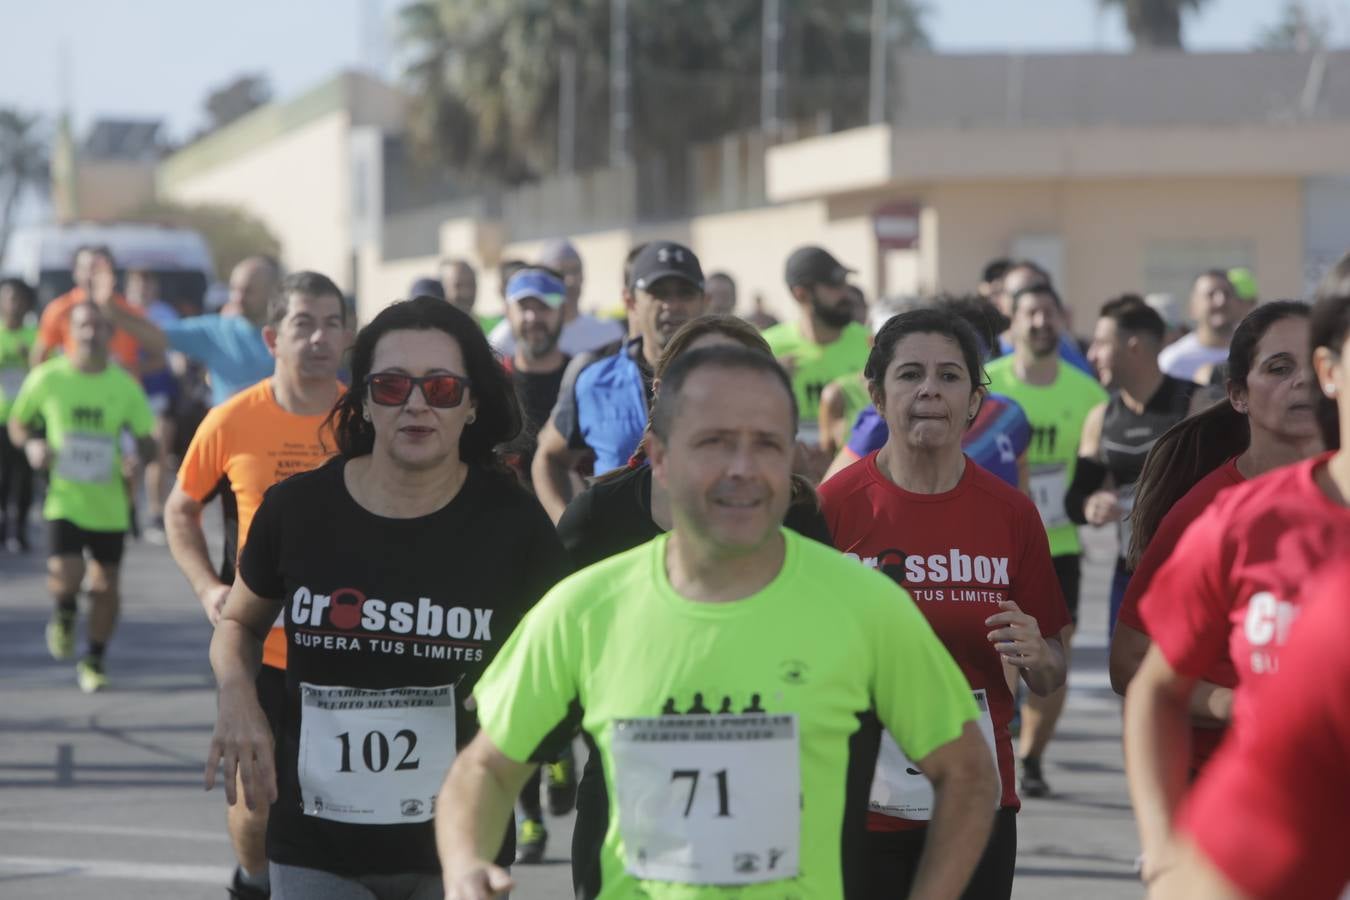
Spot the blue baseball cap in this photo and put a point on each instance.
(538, 284)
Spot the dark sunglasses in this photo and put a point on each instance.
(440, 391)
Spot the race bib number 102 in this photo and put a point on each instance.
(374, 757)
(712, 799)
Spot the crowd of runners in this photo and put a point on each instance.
(805, 591)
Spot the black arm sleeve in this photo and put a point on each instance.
(1088, 478)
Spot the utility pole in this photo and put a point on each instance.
(771, 70)
(876, 96)
(619, 118)
(567, 109)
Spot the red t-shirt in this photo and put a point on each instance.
(1237, 578)
(1204, 741)
(1270, 812)
(959, 554)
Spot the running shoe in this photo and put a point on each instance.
(1033, 782)
(530, 842)
(89, 673)
(562, 785)
(155, 534)
(239, 890)
(60, 638)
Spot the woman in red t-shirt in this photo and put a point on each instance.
(972, 552)
(1256, 430)
(1236, 583)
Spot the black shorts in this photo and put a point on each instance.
(892, 861)
(272, 698)
(65, 538)
(1069, 571)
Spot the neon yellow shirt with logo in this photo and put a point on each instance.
(85, 415)
(738, 739)
(1056, 412)
(15, 346)
(815, 365)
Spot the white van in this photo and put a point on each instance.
(43, 255)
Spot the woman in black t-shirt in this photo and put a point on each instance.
(626, 508)
(400, 568)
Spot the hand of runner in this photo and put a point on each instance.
(242, 746)
(38, 452)
(480, 882)
(1102, 508)
(1017, 637)
(213, 601)
(130, 464)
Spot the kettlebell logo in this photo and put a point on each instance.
(345, 609)
(892, 564)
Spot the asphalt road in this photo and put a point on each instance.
(101, 796)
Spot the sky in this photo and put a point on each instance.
(160, 58)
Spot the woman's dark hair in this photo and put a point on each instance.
(1196, 446)
(925, 320)
(981, 315)
(1330, 327)
(22, 290)
(497, 417)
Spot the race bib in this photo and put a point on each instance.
(374, 757)
(11, 379)
(1049, 485)
(901, 791)
(709, 799)
(87, 458)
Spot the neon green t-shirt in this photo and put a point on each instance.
(14, 349)
(816, 365)
(85, 416)
(730, 734)
(1056, 412)
(856, 399)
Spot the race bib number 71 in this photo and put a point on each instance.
(709, 799)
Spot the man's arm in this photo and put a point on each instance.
(551, 470)
(472, 812)
(187, 544)
(965, 791)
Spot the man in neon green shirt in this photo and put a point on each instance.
(826, 342)
(1057, 399)
(17, 300)
(733, 678)
(86, 403)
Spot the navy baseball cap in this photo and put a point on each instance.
(666, 259)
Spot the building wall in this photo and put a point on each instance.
(298, 183)
(110, 189)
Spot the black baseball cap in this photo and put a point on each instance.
(666, 259)
(815, 265)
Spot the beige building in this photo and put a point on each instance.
(110, 175)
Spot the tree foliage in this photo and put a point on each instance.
(484, 74)
(1299, 28)
(25, 164)
(1155, 24)
(232, 234)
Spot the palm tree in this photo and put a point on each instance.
(24, 164)
(1155, 24)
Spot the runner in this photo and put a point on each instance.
(161, 388)
(721, 294)
(1056, 398)
(996, 441)
(1247, 559)
(972, 552)
(824, 343)
(1269, 820)
(1263, 426)
(258, 437)
(582, 332)
(602, 405)
(86, 403)
(628, 507)
(17, 300)
(1016, 277)
(1216, 310)
(740, 758)
(230, 344)
(54, 328)
(1119, 433)
(398, 567)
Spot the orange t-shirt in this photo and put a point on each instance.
(242, 448)
(54, 329)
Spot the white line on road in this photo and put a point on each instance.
(116, 831)
(132, 871)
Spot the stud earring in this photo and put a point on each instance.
(365, 414)
(1329, 388)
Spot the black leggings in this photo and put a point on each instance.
(893, 861)
(16, 481)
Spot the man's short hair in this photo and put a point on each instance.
(995, 269)
(724, 357)
(1043, 288)
(723, 276)
(311, 284)
(1131, 314)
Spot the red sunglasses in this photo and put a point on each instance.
(440, 391)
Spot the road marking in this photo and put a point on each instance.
(130, 871)
(116, 831)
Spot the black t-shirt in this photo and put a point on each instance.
(379, 604)
(538, 392)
